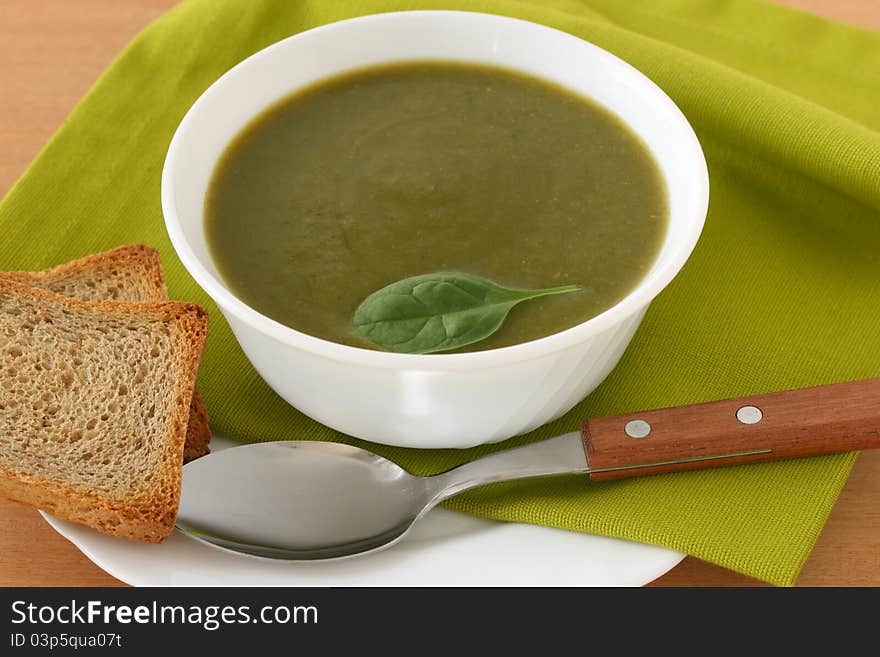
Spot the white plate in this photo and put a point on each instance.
(444, 549)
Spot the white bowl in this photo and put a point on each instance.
(441, 400)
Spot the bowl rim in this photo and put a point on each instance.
(636, 300)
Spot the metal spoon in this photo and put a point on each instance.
(316, 500)
(304, 500)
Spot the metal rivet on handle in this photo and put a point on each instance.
(637, 429)
(749, 414)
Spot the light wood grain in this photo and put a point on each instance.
(863, 13)
(51, 51)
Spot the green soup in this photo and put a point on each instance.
(389, 172)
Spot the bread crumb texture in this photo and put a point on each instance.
(130, 273)
(94, 402)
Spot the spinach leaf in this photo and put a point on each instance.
(437, 312)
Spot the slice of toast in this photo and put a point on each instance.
(94, 407)
(128, 273)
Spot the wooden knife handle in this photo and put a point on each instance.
(840, 417)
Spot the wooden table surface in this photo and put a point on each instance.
(51, 51)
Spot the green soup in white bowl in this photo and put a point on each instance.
(441, 399)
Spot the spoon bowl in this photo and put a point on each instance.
(300, 499)
(306, 500)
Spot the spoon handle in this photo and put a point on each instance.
(826, 419)
(560, 455)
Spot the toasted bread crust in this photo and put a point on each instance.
(138, 258)
(132, 520)
(198, 433)
(145, 262)
(149, 518)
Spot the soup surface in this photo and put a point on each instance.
(389, 172)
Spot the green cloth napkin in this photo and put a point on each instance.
(783, 290)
